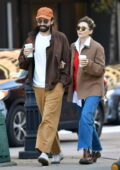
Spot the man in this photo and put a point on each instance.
(48, 73)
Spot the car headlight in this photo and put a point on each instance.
(3, 94)
(109, 93)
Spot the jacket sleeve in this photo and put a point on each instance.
(96, 67)
(65, 72)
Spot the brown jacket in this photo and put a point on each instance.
(90, 79)
(57, 51)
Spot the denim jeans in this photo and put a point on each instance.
(87, 135)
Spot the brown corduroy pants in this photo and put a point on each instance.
(49, 104)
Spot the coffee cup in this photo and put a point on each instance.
(82, 57)
(27, 46)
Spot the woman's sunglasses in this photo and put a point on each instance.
(39, 21)
(82, 28)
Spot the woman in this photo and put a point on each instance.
(87, 87)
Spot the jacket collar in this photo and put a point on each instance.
(87, 43)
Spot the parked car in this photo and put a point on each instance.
(113, 94)
(113, 102)
(12, 92)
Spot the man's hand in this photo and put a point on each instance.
(27, 51)
(62, 64)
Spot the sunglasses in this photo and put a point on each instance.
(82, 28)
(39, 21)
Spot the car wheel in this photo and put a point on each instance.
(99, 120)
(16, 126)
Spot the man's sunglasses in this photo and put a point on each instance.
(82, 28)
(39, 21)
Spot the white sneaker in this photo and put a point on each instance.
(56, 158)
(43, 159)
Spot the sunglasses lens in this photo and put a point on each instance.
(83, 28)
(39, 21)
(46, 21)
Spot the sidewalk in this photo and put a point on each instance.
(110, 153)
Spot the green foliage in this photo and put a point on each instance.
(102, 5)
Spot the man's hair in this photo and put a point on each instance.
(89, 21)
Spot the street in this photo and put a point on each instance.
(110, 140)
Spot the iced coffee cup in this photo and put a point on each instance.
(82, 57)
(28, 46)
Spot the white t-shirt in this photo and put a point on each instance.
(41, 43)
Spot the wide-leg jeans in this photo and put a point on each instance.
(87, 135)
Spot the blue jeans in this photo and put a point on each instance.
(87, 135)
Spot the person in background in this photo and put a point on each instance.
(46, 56)
(87, 87)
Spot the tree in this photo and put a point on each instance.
(102, 5)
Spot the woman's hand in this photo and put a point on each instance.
(83, 62)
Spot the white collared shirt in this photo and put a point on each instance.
(79, 49)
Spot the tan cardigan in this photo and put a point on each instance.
(90, 79)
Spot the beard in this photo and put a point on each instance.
(44, 28)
